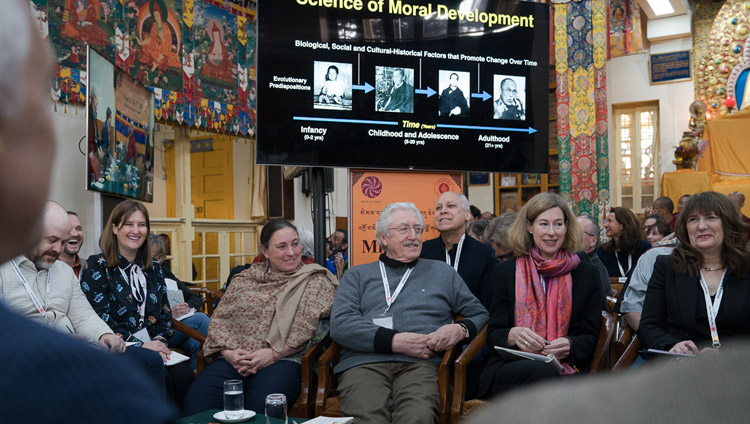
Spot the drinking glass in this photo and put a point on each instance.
(276, 407)
(234, 399)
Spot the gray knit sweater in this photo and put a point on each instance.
(433, 294)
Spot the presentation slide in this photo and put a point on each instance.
(452, 85)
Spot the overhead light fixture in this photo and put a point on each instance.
(661, 7)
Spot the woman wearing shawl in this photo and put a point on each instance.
(268, 317)
(546, 301)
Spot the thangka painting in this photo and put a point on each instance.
(150, 42)
(625, 35)
(75, 23)
(215, 47)
(39, 13)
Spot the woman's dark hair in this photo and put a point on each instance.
(271, 227)
(688, 259)
(661, 225)
(631, 232)
(108, 240)
(329, 70)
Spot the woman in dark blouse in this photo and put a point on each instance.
(126, 288)
(699, 296)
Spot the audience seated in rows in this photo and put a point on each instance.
(50, 376)
(268, 317)
(657, 231)
(477, 228)
(496, 235)
(697, 298)
(589, 250)
(620, 254)
(546, 301)
(472, 259)
(192, 303)
(69, 254)
(394, 316)
(126, 287)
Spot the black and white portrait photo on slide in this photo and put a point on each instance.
(509, 97)
(454, 95)
(332, 86)
(394, 89)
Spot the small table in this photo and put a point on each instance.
(206, 417)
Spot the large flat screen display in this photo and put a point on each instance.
(120, 123)
(452, 85)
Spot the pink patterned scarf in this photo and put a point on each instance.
(547, 313)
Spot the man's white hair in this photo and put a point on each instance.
(15, 44)
(385, 218)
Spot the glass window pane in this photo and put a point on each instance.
(212, 243)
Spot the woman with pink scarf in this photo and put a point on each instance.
(546, 301)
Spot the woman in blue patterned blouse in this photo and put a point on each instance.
(126, 288)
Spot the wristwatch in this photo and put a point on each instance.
(466, 329)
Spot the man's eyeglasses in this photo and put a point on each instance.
(592, 235)
(404, 229)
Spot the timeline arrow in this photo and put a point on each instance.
(346, 121)
(367, 87)
(471, 127)
(429, 91)
(483, 95)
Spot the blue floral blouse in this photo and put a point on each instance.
(110, 295)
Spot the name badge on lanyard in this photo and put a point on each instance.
(458, 253)
(712, 308)
(386, 319)
(630, 264)
(42, 309)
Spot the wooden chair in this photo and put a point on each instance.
(459, 405)
(616, 285)
(209, 296)
(628, 356)
(304, 407)
(327, 400)
(620, 341)
(602, 351)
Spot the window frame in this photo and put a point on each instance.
(635, 109)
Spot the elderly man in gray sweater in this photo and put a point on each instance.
(392, 319)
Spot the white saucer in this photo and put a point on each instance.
(246, 415)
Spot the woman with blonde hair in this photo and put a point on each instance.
(546, 301)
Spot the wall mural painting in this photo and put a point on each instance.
(197, 56)
(215, 47)
(75, 23)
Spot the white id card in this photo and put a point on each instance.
(383, 321)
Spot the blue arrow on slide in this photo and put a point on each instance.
(345, 121)
(429, 92)
(367, 87)
(483, 95)
(470, 127)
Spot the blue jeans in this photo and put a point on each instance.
(207, 392)
(199, 321)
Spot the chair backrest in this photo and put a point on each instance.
(620, 341)
(601, 353)
(629, 356)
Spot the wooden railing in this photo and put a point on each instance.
(209, 248)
